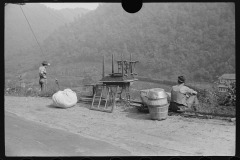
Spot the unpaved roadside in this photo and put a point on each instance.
(28, 138)
(132, 130)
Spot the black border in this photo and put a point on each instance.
(2, 139)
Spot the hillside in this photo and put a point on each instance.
(43, 20)
(169, 39)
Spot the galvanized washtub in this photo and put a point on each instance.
(144, 96)
(156, 101)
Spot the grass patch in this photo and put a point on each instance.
(209, 103)
(29, 90)
(76, 75)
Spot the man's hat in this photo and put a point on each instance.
(45, 63)
(181, 79)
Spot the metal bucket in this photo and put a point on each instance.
(157, 93)
(158, 113)
(158, 104)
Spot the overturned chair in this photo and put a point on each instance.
(104, 98)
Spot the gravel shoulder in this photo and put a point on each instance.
(131, 130)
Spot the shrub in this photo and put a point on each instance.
(229, 98)
(214, 98)
(13, 88)
(50, 90)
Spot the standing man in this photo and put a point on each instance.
(182, 97)
(43, 75)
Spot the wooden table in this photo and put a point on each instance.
(115, 88)
(122, 87)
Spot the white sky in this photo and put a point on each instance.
(58, 6)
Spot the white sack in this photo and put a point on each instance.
(64, 99)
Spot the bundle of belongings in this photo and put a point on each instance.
(64, 99)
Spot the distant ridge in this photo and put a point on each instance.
(44, 20)
(196, 40)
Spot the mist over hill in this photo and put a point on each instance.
(43, 20)
(169, 39)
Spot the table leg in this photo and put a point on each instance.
(113, 96)
(127, 103)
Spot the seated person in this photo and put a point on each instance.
(182, 97)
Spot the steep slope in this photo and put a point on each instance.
(43, 21)
(192, 39)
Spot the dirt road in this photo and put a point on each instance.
(131, 130)
(29, 138)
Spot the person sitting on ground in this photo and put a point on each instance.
(43, 75)
(182, 97)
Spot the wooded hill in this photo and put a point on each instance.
(43, 20)
(196, 40)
